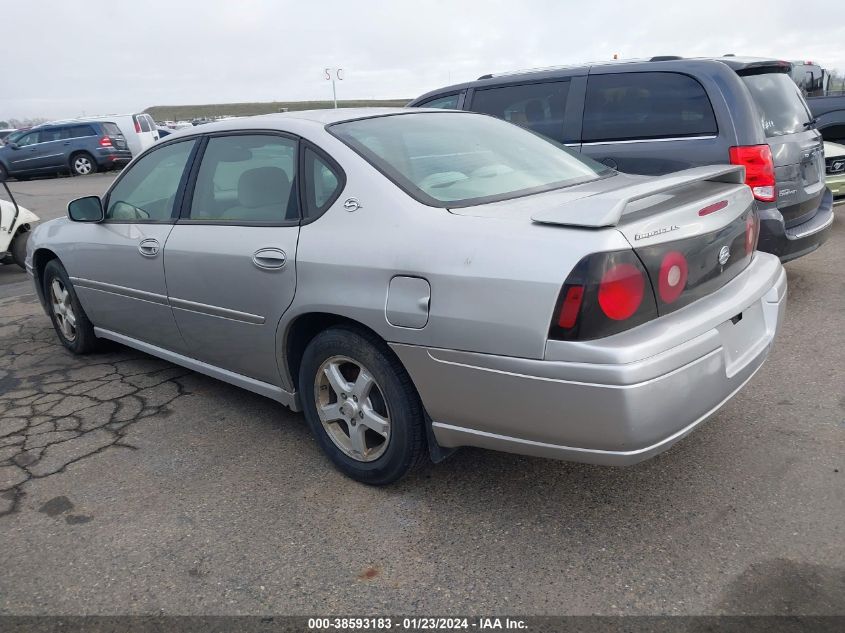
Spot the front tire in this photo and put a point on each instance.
(361, 406)
(82, 164)
(18, 248)
(71, 323)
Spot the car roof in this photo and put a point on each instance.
(552, 72)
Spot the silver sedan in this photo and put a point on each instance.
(415, 281)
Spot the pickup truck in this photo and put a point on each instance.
(829, 113)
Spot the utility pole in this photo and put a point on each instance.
(332, 74)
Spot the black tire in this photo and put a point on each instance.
(18, 248)
(84, 341)
(4, 174)
(406, 448)
(83, 164)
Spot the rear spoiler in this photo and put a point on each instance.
(606, 209)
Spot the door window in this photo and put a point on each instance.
(629, 106)
(147, 191)
(29, 139)
(539, 107)
(247, 179)
(54, 134)
(142, 122)
(449, 102)
(79, 131)
(322, 184)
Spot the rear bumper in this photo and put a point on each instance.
(616, 401)
(793, 242)
(114, 157)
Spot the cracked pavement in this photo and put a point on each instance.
(131, 486)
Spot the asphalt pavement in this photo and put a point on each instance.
(130, 485)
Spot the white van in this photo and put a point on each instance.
(139, 129)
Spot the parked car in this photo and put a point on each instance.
(139, 129)
(669, 113)
(425, 279)
(834, 159)
(164, 131)
(829, 115)
(15, 225)
(810, 77)
(81, 148)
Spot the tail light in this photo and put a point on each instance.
(105, 142)
(137, 126)
(606, 293)
(752, 232)
(672, 277)
(759, 169)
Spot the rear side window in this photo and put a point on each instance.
(632, 106)
(247, 179)
(322, 184)
(79, 131)
(449, 102)
(779, 102)
(538, 107)
(54, 134)
(142, 122)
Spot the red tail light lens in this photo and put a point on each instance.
(672, 278)
(759, 169)
(568, 314)
(752, 232)
(105, 142)
(621, 291)
(137, 126)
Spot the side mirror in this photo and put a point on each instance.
(87, 209)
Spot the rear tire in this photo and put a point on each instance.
(370, 421)
(71, 323)
(82, 164)
(18, 248)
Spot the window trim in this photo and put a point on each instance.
(183, 216)
(180, 190)
(335, 167)
(660, 137)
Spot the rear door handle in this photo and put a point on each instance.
(269, 258)
(149, 247)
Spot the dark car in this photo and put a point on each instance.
(78, 147)
(669, 113)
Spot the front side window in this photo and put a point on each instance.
(779, 103)
(29, 139)
(449, 102)
(539, 107)
(147, 191)
(54, 134)
(452, 159)
(247, 179)
(631, 106)
(322, 184)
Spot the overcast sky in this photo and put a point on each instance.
(103, 56)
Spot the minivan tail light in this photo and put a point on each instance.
(105, 142)
(759, 169)
(137, 126)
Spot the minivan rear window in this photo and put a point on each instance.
(780, 104)
(142, 121)
(633, 106)
(111, 129)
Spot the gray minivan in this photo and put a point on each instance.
(670, 113)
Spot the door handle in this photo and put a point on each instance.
(269, 258)
(149, 247)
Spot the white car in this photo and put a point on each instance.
(139, 129)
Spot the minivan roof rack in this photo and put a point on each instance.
(665, 58)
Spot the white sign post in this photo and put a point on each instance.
(332, 74)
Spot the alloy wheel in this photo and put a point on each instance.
(82, 165)
(63, 309)
(352, 408)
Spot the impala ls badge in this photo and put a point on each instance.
(724, 255)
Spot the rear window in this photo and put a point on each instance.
(453, 159)
(779, 102)
(79, 131)
(539, 107)
(111, 129)
(142, 121)
(629, 106)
